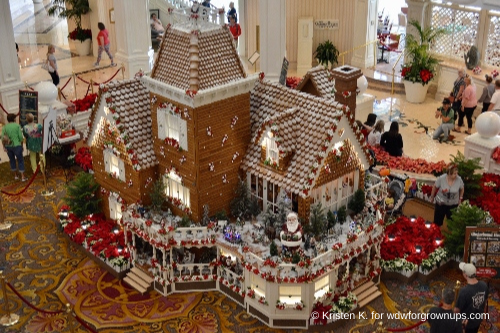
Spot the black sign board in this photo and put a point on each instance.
(284, 71)
(28, 103)
(482, 248)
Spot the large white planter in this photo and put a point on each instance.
(415, 92)
(83, 48)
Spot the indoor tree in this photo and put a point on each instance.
(72, 9)
(81, 195)
(326, 53)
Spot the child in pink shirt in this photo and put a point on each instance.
(103, 42)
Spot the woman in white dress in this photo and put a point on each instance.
(376, 133)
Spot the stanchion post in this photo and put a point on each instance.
(10, 318)
(380, 328)
(69, 317)
(457, 289)
(59, 93)
(26, 85)
(91, 86)
(123, 71)
(74, 84)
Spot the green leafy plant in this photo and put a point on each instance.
(421, 65)
(332, 220)
(81, 195)
(185, 222)
(467, 170)
(273, 249)
(72, 9)
(326, 53)
(463, 216)
(221, 215)
(357, 203)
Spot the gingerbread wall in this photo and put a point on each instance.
(207, 127)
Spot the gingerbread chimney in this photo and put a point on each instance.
(346, 78)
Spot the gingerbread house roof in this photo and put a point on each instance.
(125, 105)
(317, 82)
(197, 59)
(305, 126)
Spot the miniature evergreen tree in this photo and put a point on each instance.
(330, 217)
(317, 220)
(467, 171)
(273, 249)
(185, 222)
(269, 218)
(357, 203)
(295, 258)
(157, 195)
(284, 205)
(205, 220)
(254, 208)
(81, 195)
(241, 201)
(342, 215)
(463, 216)
(221, 215)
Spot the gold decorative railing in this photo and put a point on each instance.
(373, 42)
(394, 71)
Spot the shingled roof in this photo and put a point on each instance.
(317, 82)
(197, 60)
(307, 127)
(130, 113)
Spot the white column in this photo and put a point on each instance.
(272, 37)
(10, 78)
(133, 36)
(305, 45)
(242, 40)
(416, 11)
(365, 30)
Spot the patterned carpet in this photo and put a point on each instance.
(48, 272)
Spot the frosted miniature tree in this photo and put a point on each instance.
(317, 220)
(342, 215)
(284, 205)
(330, 216)
(254, 208)
(157, 195)
(273, 249)
(81, 195)
(357, 203)
(241, 201)
(205, 220)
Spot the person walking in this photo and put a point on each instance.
(446, 113)
(12, 140)
(52, 64)
(34, 133)
(472, 299)
(103, 42)
(443, 319)
(232, 12)
(488, 91)
(469, 104)
(448, 193)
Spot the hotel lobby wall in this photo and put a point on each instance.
(343, 10)
(101, 13)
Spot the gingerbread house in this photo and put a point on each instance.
(318, 82)
(200, 111)
(119, 135)
(304, 147)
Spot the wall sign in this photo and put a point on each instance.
(326, 24)
(482, 248)
(28, 103)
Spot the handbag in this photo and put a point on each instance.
(46, 65)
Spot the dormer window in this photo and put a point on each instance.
(272, 151)
(172, 126)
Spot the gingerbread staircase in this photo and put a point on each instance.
(139, 280)
(366, 293)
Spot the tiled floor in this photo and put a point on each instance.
(35, 32)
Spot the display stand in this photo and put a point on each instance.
(478, 147)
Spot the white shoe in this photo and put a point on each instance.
(96, 65)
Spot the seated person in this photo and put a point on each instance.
(446, 113)
(389, 201)
(156, 25)
(368, 125)
(376, 133)
(392, 141)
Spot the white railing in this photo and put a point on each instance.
(183, 12)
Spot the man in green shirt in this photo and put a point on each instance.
(446, 114)
(12, 139)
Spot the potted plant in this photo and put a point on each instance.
(420, 66)
(74, 9)
(326, 53)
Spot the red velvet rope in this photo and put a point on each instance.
(84, 324)
(65, 84)
(88, 90)
(404, 329)
(79, 78)
(31, 305)
(111, 78)
(97, 83)
(27, 185)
